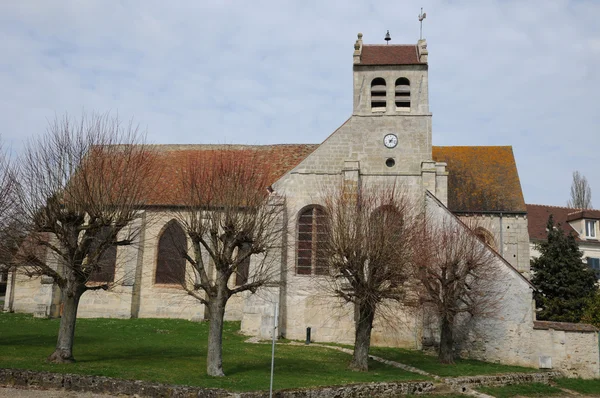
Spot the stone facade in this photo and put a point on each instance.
(355, 153)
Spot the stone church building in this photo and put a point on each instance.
(387, 138)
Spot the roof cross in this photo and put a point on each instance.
(422, 16)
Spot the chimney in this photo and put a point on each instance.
(422, 50)
(358, 49)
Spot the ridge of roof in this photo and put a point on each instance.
(553, 206)
(389, 45)
(199, 147)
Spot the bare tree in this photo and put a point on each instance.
(83, 183)
(10, 235)
(581, 193)
(367, 245)
(457, 273)
(229, 216)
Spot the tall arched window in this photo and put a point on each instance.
(378, 95)
(170, 263)
(403, 94)
(311, 230)
(105, 269)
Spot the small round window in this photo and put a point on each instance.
(390, 162)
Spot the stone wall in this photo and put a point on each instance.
(107, 385)
(569, 348)
(503, 332)
(510, 235)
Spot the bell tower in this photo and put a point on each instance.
(390, 79)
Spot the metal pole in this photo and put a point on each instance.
(276, 315)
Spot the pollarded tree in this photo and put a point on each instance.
(82, 184)
(564, 282)
(229, 215)
(366, 246)
(457, 275)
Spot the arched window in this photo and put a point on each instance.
(311, 231)
(486, 236)
(386, 222)
(403, 94)
(170, 263)
(378, 95)
(105, 269)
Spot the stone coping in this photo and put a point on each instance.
(564, 326)
(108, 385)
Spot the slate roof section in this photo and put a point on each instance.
(537, 218)
(481, 178)
(172, 159)
(565, 326)
(376, 54)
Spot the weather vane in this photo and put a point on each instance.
(422, 16)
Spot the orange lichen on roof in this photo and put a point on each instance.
(481, 178)
(174, 160)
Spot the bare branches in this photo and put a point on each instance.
(230, 218)
(10, 233)
(82, 185)
(581, 193)
(367, 246)
(83, 182)
(458, 274)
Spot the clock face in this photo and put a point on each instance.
(390, 141)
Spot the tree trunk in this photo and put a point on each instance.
(216, 313)
(446, 354)
(362, 337)
(66, 333)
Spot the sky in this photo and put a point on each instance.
(520, 73)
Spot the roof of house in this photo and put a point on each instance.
(382, 54)
(537, 218)
(481, 178)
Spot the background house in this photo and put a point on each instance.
(583, 224)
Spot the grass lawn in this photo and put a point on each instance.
(174, 352)
(522, 390)
(429, 363)
(581, 386)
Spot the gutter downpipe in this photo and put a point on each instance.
(501, 237)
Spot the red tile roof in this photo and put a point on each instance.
(375, 54)
(564, 326)
(172, 159)
(481, 178)
(577, 214)
(537, 218)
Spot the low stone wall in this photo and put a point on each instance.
(108, 385)
(571, 348)
(102, 385)
(464, 383)
(363, 390)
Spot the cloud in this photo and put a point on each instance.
(515, 73)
